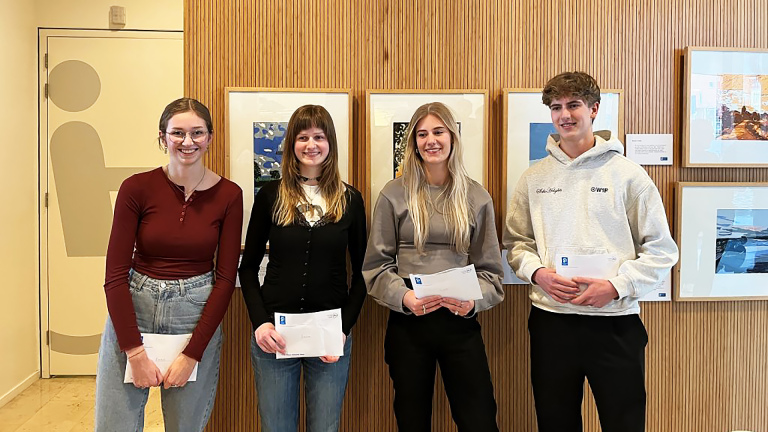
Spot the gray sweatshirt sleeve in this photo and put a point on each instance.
(485, 255)
(380, 264)
(518, 237)
(656, 250)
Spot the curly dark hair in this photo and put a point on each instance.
(575, 84)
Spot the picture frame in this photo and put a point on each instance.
(725, 107)
(255, 117)
(722, 233)
(528, 123)
(388, 113)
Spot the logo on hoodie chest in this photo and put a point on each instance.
(549, 190)
(597, 189)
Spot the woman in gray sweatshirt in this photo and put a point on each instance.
(434, 218)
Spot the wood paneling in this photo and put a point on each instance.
(707, 363)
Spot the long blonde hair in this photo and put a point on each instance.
(458, 216)
(290, 193)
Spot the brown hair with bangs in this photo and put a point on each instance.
(290, 192)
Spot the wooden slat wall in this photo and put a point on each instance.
(707, 363)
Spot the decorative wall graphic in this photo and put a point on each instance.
(722, 232)
(83, 184)
(74, 85)
(725, 116)
(99, 127)
(82, 179)
(267, 152)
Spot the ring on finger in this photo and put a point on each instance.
(424, 309)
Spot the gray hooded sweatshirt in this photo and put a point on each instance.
(597, 203)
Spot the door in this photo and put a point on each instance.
(102, 95)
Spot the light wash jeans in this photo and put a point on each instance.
(167, 307)
(277, 385)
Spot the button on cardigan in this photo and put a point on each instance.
(307, 270)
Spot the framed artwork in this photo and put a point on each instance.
(256, 119)
(390, 111)
(528, 125)
(725, 108)
(722, 233)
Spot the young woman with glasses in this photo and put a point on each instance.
(311, 219)
(434, 218)
(171, 267)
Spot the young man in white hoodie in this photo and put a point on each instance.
(586, 198)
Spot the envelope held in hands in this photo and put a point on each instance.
(313, 334)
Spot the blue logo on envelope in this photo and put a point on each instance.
(282, 319)
(418, 280)
(565, 261)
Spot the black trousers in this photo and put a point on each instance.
(608, 351)
(414, 345)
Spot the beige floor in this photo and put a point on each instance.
(64, 405)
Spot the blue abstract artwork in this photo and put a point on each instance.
(267, 152)
(537, 147)
(742, 241)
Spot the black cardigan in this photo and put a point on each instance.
(307, 270)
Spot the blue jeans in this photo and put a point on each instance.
(277, 384)
(166, 307)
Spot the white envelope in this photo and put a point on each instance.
(459, 283)
(602, 266)
(163, 350)
(310, 334)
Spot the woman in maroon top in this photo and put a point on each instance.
(161, 278)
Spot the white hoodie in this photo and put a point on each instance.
(598, 203)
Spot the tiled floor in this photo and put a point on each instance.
(64, 405)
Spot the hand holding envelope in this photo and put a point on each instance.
(591, 272)
(459, 283)
(162, 349)
(601, 266)
(315, 334)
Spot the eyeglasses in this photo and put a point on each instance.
(178, 137)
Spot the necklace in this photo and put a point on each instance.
(306, 179)
(182, 188)
(312, 212)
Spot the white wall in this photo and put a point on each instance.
(19, 361)
(140, 14)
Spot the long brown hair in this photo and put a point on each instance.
(290, 192)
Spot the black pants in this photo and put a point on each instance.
(608, 351)
(414, 345)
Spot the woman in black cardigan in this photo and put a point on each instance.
(310, 219)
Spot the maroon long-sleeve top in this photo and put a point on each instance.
(173, 239)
